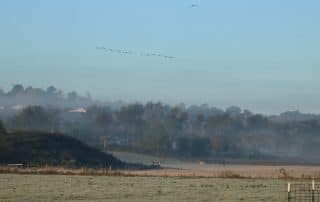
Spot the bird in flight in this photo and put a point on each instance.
(129, 52)
(195, 5)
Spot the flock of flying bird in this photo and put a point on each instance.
(129, 52)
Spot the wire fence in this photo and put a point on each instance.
(308, 192)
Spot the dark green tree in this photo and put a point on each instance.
(257, 121)
(52, 90)
(2, 128)
(34, 117)
(17, 89)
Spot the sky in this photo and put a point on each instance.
(262, 55)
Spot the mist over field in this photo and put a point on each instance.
(139, 100)
(193, 132)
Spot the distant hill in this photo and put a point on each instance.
(40, 148)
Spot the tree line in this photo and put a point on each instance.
(20, 95)
(189, 132)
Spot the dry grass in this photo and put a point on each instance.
(137, 189)
(62, 171)
(199, 171)
(237, 171)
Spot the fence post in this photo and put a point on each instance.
(313, 190)
(289, 190)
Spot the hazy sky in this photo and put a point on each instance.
(258, 54)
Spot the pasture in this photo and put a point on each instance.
(175, 167)
(177, 181)
(116, 188)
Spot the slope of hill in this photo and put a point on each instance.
(40, 148)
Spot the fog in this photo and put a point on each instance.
(196, 131)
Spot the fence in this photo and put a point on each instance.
(304, 192)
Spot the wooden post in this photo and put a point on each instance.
(289, 190)
(313, 190)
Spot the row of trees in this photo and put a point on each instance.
(19, 89)
(50, 96)
(188, 132)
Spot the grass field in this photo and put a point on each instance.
(174, 167)
(106, 188)
(177, 181)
